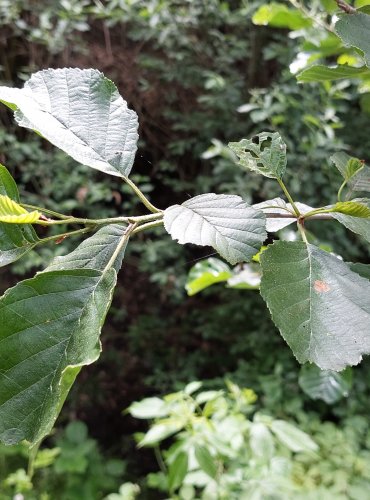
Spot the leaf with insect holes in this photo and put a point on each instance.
(321, 307)
(265, 153)
(355, 216)
(354, 30)
(15, 239)
(50, 328)
(82, 113)
(225, 222)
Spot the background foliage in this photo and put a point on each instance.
(199, 74)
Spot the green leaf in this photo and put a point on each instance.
(354, 30)
(327, 385)
(50, 328)
(177, 471)
(361, 269)
(279, 15)
(80, 112)
(278, 206)
(247, 276)
(353, 208)
(320, 73)
(206, 273)
(360, 179)
(295, 439)
(356, 223)
(265, 153)
(160, 431)
(15, 240)
(12, 213)
(206, 461)
(148, 408)
(261, 441)
(94, 252)
(320, 306)
(225, 222)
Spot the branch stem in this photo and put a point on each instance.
(141, 195)
(148, 225)
(290, 199)
(121, 245)
(101, 222)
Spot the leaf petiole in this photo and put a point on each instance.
(290, 199)
(141, 195)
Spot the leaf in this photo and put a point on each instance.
(352, 208)
(15, 240)
(261, 441)
(354, 30)
(320, 306)
(12, 213)
(356, 223)
(50, 328)
(94, 252)
(265, 153)
(206, 273)
(80, 112)
(247, 276)
(320, 73)
(293, 438)
(160, 431)
(274, 224)
(177, 471)
(279, 15)
(148, 408)
(206, 461)
(360, 180)
(225, 222)
(361, 269)
(327, 385)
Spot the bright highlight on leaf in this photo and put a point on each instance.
(353, 208)
(225, 222)
(265, 153)
(12, 213)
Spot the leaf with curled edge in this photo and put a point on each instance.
(15, 239)
(12, 213)
(81, 112)
(225, 222)
(265, 154)
(321, 307)
(51, 326)
(359, 224)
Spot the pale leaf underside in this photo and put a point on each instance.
(225, 222)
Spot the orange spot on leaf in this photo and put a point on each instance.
(321, 286)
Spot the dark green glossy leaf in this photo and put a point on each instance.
(354, 30)
(321, 73)
(50, 329)
(15, 240)
(80, 112)
(225, 222)
(327, 385)
(320, 306)
(265, 153)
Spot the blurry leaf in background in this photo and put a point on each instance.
(322, 73)
(279, 15)
(206, 273)
(327, 385)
